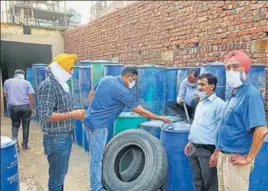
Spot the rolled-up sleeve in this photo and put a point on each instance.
(255, 112)
(30, 89)
(182, 90)
(46, 101)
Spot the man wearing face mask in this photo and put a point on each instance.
(243, 127)
(188, 93)
(19, 95)
(109, 98)
(56, 115)
(202, 137)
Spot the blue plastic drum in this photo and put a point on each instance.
(78, 132)
(39, 74)
(151, 86)
(85, 62)
(84, 85)
(259, 176)
(171, 87)
(85, 140)
(75, 88)
(174, 137)
(113, 69)
(9, 165)
(153, 127)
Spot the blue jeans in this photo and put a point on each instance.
(58, 149)
(97, 141)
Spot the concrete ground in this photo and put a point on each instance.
(33, 165)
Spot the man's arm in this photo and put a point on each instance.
(91, 95)
(258, 137)
(145, 113)
(254, 119)
(32, 102)
(31, 97)
(92, 92)
(182, 91)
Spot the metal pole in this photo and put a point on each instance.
(65, 16)
(186, 111)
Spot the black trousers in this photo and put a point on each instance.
(205, 178)
(21, 115)
(179, 109)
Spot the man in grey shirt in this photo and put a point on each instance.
(19, 95)
(188, 93)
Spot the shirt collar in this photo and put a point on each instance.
(52, 76)
(211, 98)
(238, 92)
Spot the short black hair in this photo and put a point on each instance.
(212, 80)
(193, 71)
(129, 70)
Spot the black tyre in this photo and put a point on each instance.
(153, 172)
(136, 166)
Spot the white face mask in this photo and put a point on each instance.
(131, 84)
(190, 84)
(202, 95)
(19, 76)
(235, 79)
(61, 75)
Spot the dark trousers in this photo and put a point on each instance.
(21, 114)
(58, 150)
(205, 178)
(179, 109)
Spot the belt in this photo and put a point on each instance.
(226, 152)
(208, 147)
(63, 133)
(20, 105)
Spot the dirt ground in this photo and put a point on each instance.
(33, 165)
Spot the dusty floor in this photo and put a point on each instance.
(33, 166)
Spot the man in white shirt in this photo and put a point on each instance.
(202, 137)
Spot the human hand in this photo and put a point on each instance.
(33, 112)
(179, 100)
(165, 119)
(196, 98)
(213, 160)
(77, 114)
(187, 149)
(239, 160)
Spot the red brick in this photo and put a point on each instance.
(154, 27)
(219, 4)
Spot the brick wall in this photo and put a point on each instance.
(174, 33)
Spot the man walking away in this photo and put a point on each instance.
(19, 95)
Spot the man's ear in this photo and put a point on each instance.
(212, 86)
